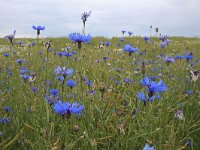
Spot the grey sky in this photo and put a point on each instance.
(108, 17)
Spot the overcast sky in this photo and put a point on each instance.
(108, 17)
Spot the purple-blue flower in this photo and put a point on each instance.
(25, 77)
(169, 59)
(144, 98)
(130, 33)
(147, 39)
(77, 37)
(20, 61)
(38, 27)
(63, 71)
(23, 71)
(123, 32)
(6, 54)
(107, 43)
(147, 147)
(130, 49)
(152, 86)
(53, 92)
(6, 108)
(4, 121)
(71, 83)
(121, 39)
(63, 108)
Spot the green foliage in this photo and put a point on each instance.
(107, 121)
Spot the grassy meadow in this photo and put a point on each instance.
(107, 83)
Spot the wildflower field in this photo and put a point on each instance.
(129, 93)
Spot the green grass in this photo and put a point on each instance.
(106, 122)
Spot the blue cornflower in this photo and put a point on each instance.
(123, 32)
(130, 33)
(147, 147)
(163, 44)
(60, 78)
(71, 83)
(179, 57)
(32, 44)
(188, 57)
(188, 92)
(6, 108)
(11, 37)
(118, 45)
(130, 49)
(38, 28)
(23, 71)
(121, 39)
(19, 61)
(20, 43)
(34, 89)
(147, 39)
(126, 80)
(105, 58)
(51, 99)
(107, 43)
(4, 121)
(144, 98)
(65, 108)
(25, 77)
(152, 86)
(163, 38)
(168, 60)
(89, 82)
(63, 71)
(54, 92)
(6, 54)
(79, 38)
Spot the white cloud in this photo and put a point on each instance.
(108, 17)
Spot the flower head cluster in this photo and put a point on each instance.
(168, 60)
(164, 41)
(130, 33)
(71, 83)
(64, 71)
(107, 43)
(11, 37)
(53, 97)
(6, 108)
(147, 39)
(152, 86)
(20, 61)
(77, 37)
(4, 121)
(144, 98)
(147, 147)
(130, 49)
(87, 82)
(65, 108)
(123, 31)
(38, 27)
(187, 56)
(121, 39)
(6, 54)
